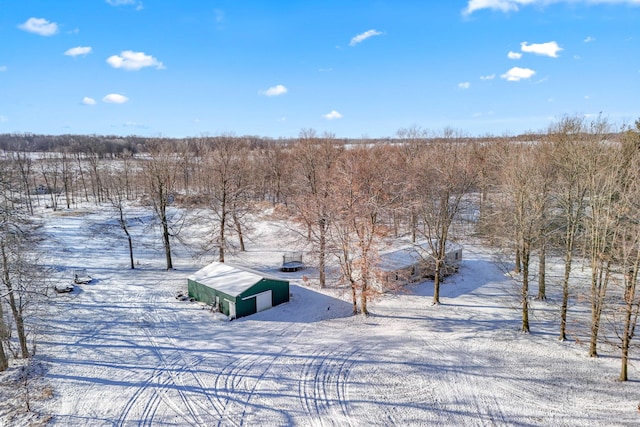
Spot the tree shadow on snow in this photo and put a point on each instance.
(305, 306)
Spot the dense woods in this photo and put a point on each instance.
(571, 192)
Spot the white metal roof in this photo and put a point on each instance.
(410, 255)
(229, 279)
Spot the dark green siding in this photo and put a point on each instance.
(279, 288)
(208, 295)
(244, 307)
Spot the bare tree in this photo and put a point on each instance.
(525, 199)
(569, 196)
(50, 171)
(607, 174)
(67, 178)
(445, 175)
(315, 158)
(413, 142)
(225, 168)
(79, 159)
(117, 184)
(23, 163)
(630, 248)
(364, 190)
(276, 174)
(19, 276)
(4, 337)
(160, 172)
(5, 209)
(626, 316)
(94, 174)
(547, 177)
(13, 263)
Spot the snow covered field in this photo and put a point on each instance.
(123, 351)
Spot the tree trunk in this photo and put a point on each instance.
(565, 294)
(223, 224)
(436, 283)
(354, 297)
(626, 341)
(518, 267)
(525, 287)
(123, 225)
(414, 225)
(130, 249)
(363, 298)
(84, 182)
(13, 304)
(236, 221)
(166, 238)
(630, 318)
(4, 334)
(542, 272)
(322, 255)
(600, 279)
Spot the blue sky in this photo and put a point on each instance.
(351, 68)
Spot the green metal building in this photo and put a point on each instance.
(237, 291)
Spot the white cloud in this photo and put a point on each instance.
(125, 3)
(545, 49)
(464, 85)
(130, 60)
(114, 98)
(488, 77)
(76, 51)
(3, 119)
(363, 36)
(3, 68)
(589, 39)
(501, 5)
(39, 26)
(514, 5)
(275, 91)
(514, 55)
(89, 101)
(516, 74)
(332, 115)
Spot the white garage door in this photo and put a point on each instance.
(263, 301)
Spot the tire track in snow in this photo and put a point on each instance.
(172, 381)
(324, 384)
(186, 368)
(465, 385)
(173, 369)
(221, 384)
(241, 378)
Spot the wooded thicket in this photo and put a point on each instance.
(571, 193)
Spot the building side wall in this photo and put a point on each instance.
(279, 288)
(208, 296)
(245, 304)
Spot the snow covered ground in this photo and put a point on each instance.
(123, 351)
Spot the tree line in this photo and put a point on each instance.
(571, 192)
